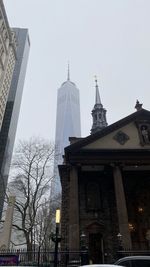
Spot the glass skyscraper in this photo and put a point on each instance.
(67, 124)
(9, 125)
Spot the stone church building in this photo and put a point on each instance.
(105, 182)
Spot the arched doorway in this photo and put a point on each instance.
(95, 238)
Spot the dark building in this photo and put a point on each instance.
(106, 189)
(9, 126)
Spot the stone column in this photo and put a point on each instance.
(74, 244)
(121, 209)
(6, 233)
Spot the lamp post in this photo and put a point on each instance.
(119, 236)
(57, 238)
(84, 250)
(82, 237)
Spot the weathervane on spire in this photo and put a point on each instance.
(96, 80)
(97, 96)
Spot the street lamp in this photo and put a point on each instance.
(119, 236)
(57, 238)
(84, 250)
(82, 237)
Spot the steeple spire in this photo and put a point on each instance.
(98, 112)
(68, 77)
(97, 96)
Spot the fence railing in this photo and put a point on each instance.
(43, 258)
(125, 253)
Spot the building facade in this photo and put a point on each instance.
(9, 124)
(67, 124)
(7, 59)
(105, 190)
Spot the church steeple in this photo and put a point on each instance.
(98, 113)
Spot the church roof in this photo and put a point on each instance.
(141, 114)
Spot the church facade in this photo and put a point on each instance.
(105, 182)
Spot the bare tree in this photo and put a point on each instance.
(30, 181)
(45, 222)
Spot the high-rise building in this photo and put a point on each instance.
(7, 59)
(67, 124)
(9, 125)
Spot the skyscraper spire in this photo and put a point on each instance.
(98, 112)
(68, 77)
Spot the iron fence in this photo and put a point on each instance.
(125, 253)
(44, 258)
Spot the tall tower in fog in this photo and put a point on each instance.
(11, 114)
(67, 124)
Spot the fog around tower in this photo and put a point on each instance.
(108, 38)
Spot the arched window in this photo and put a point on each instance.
(93, 196)
(100, 115)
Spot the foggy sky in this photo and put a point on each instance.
(107, 38)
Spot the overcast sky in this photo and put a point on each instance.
(107, 38)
